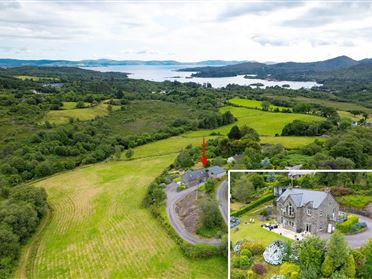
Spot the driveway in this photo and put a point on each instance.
(172, 198)
(357, 240)
(221, 196)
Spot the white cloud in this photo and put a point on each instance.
(185, 31)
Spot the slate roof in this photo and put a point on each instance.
(192, 175)
(215, 170)
(301, 197)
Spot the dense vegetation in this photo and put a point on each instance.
(20, 213)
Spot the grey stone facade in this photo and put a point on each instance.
(302, 210)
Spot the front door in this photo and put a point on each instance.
(329, 228)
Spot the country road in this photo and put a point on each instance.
(221, 195)
(172, 198)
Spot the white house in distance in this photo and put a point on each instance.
(216, 172)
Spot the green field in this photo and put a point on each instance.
(357, 201)
(83, 114)
(99, 229)
(254, 231)
(267, 124)
(35, 78)
(343, 106)
(254, 104)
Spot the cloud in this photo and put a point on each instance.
(264, 41)
(238, 10)
(328, 12)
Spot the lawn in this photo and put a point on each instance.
(290, 142)
(72, 105)
(100, 230)
(357, 201)
(254, 231)
(254, 104)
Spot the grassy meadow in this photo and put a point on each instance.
(254, 104)
(99, 229)
(69, 110)
(267, 124)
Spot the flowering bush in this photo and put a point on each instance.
(259, 268)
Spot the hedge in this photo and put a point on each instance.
(346, 227)
(253, 205)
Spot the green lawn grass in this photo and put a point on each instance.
(290, 142)
(254, 231)
(35, 78)
(69, 111)
(100, 230)
(252, 104)
(357, 201)
(72, 105)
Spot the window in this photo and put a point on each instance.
(321, 213)
(290, 210)
(321, 226)
(309, 211)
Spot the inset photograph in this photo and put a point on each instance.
(300, 224)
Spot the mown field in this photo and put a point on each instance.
(267, 124)
(83, 114)
(100, 230)
(254, 104)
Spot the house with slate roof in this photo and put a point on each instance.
(216, 172)
(194, 177)
(303, 210)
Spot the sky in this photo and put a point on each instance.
(194, 30)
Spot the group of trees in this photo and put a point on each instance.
(302, 128)
(20, 213)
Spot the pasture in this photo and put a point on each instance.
(83, 114)
(267, 124)
(254, 104)
(99, 229)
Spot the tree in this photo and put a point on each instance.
(129, 153)
(234, 133)
(117, 153)
(311, 253)
(209, 186)
(349, 267)
(35, 196)
(210, 214)
(249, 133)
(265, 105)
(119, 94)
(109, 108)
(337, 249)
(80, 104)
(243, 189)
(327, 267)
(257, 180)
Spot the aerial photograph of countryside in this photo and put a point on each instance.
(121, 120)
(298, 224)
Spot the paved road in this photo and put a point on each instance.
(357, 240)
(221, 195)
(172, 198)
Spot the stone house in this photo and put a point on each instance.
(302, 210)
(194, 177)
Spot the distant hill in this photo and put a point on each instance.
(287, 70)
(9, 63)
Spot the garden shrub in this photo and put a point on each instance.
(237, 274)
(250, 274)
(287, 269)
(235, 261)
(259, 268)
(294, 275)
(349, 267)
(245, 262)
(255, 247)
(246, 252)
(327, 267)
(346, 227)
(359, 258)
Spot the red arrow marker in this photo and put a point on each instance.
(203, 158)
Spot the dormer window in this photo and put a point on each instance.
(309, 211)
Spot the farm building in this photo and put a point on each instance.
(307, 210)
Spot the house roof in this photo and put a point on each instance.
(216, 170)
(191, 175)
(302, 197)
